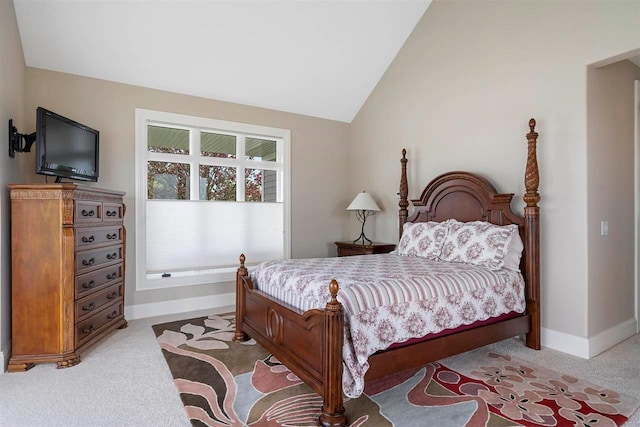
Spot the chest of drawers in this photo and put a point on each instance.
(68, 265)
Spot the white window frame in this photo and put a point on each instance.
(144, 118)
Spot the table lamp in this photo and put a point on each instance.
(365, 206)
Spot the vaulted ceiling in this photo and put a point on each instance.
(311, 57)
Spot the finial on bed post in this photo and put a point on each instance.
(242, 272)
(242, 268)
(532, 177)
(532, 236)
(404, 193)
(333, 290)
(332, 342)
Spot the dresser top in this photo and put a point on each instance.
(69, 186)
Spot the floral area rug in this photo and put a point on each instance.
(223, 383)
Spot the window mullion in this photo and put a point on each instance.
(240, 191)
(260, 164)
(194, 154)
(280, 173)
(217, 161)
(144, 152)
(167, 157)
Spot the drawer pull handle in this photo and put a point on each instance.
(88, 213)
(112, 236)
(112, 256)
(86, 262)
(86, 239)
(89, 329)
(112, 295)
(112, 315)
(89, 307)
(112, 275)
(89, 285)
(112, 213)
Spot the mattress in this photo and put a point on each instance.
(390, 299)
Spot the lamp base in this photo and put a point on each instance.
(363, 238)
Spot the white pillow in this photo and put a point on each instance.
(422, 239)
(478, 243)
(514, 252)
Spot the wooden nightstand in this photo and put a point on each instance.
(350, 248)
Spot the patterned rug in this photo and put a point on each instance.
(223, 383)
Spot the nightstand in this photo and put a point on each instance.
(350, 248)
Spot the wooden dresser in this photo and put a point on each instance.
(67, 260)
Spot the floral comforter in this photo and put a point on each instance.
(389, 298)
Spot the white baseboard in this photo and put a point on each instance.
(612, 336)
(139, 311)
(5, 360)
(565, 343)
(587, 348)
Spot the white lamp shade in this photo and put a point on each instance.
(363, 202)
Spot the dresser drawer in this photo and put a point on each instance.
(350, 248)
(352, 252)
(91, 282)
(94, 302)
(97, 236)
(112, 211)
(87, 212)
(92, 259)
(99, 321)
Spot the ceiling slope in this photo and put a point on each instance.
(317, 58)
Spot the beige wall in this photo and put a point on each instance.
(610, 186)
(459, 95)
(12, 73)
(318, 169)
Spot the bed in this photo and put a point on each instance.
(311, 342)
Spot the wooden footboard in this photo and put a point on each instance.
(308, 343)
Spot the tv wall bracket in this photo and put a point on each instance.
(20, 142)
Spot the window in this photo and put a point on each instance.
(207, 191)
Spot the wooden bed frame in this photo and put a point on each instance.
(310, 343)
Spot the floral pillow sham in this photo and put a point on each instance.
(422, 239)
(480, 243)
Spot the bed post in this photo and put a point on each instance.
(404, 193)
(332, 404)
(242, 272)
(532, 237)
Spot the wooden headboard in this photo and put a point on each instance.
(466, 197)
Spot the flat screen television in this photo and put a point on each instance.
(66, 148)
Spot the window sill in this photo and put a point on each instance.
(188, 278)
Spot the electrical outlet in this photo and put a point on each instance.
(604, 228)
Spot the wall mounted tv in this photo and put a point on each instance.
(66, 148)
